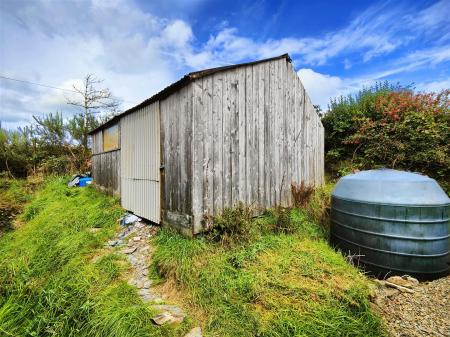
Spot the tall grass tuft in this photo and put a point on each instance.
(56, 279)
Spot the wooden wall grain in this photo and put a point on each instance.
(105, 167)
(255, 131)
(176, 151)
(106, 172)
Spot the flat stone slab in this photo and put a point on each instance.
(169, 308)
(167, 318)
(130, 250)
(195, 332)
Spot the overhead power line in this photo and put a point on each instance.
(34, 83)
(47, 86)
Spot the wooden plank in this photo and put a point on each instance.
(182, 153)
(227, 140)
(278, 134)
(198, 153)
(242, 134)
(261, 135)
(253, 138)
(208, 144)
(289, 132)
(218, 141)
(267, 144)
(234, 135)
(248, 132)
(189, 147)
(305, 174)
(272, 135)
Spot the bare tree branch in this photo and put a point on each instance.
(92, 101)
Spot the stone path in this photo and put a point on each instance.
(415, 309)
(134, 243)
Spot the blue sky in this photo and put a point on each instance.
(139, 47)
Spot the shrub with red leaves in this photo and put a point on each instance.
(402, 130)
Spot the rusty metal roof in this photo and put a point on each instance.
(180, 84)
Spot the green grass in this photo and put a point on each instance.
(275, 285)
(57, 280)
(14, 193)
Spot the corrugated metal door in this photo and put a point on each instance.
(140, 162)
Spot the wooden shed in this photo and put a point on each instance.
(214, 138)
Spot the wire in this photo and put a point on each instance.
(34, 83)
(48, 86)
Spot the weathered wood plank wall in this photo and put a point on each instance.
(105, 167)
(255, 131)
(176, 156)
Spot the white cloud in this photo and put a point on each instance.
(434, 86)
(418, 59)
(379, 30)
(321, 87)
(57, 97)
(139, 53)
(178, 33)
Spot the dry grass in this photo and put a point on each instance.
(301, 193)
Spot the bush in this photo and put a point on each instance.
(234, 224)
(390, 127)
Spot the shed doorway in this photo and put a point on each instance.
(140, 163)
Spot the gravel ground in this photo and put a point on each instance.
(424, 312)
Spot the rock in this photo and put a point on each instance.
(195, 332)
(147, 284)
(170, 308)
(145, 272)
(404, 281)
(391, 292)
(137, 238)
(130, 250)
(167, 318)
(112, 243)
(148, 296)
(133, 260)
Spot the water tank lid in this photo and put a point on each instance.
(391, 187)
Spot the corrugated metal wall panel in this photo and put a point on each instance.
(140, 162)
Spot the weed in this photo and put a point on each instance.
(284, 222)
(233, 225)
(301, 193)
(318, 208)
(14, 194)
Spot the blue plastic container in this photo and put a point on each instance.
(84, 182)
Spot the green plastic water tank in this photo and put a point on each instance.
(392, 222)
